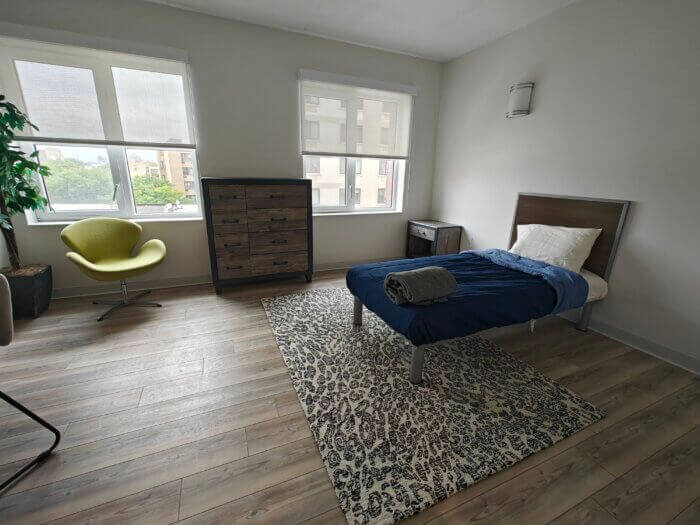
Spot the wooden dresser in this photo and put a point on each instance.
(258, 229)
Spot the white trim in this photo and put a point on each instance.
(674, 357)
(69, 38)
(348, 80)
(669, 355)
(32, 220)
(112, 287)
(352, 155)
(360, 211)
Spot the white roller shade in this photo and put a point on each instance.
(351, 120)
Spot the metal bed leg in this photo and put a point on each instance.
(532, 325)
(357, 313)
(41, 457)
(415, 376)
(585, 318)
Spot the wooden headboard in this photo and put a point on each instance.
(577, 212)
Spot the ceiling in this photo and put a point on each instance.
(435, 29)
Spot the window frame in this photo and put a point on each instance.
(401, 163)
(100, 63)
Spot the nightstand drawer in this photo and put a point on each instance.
(422, 232)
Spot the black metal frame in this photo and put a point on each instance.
(220, 283)
(41, 457)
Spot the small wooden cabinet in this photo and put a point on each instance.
(258, 229)
(425, 237)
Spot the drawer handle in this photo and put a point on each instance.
(273, 196)
(234, 267)
(279, 263)
(230, 221)
(282, 219)
(279, 241)
(227, 245)
(227, 197)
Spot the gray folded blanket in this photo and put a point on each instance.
(428, 285)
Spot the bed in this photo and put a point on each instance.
(496, 288)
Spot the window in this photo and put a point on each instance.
(115, 130)
(313, 130)
(313, 165)
(369, 156)
(315, 196)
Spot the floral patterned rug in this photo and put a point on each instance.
(392, 449)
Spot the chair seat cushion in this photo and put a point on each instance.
(149, 255)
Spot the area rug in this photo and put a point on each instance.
(392, 449)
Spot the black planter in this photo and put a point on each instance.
(31, 289)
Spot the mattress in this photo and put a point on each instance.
(597, 286)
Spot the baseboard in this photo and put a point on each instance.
(344, 265)
(113, 287)
(676, 358)
(173, 282)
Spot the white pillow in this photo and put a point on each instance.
(557, 245)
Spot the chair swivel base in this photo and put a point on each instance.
(126, 301)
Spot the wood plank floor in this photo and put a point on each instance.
(187, 413)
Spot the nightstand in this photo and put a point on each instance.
(425, 237)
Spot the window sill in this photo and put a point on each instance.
(351, 213)
(35, 222)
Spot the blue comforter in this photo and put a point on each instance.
(494, 288)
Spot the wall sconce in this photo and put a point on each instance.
(519, 99)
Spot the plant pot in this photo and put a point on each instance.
(31, 288)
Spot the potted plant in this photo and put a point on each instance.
(31, 285)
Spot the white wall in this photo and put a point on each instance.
(245, 89)
(615, 115)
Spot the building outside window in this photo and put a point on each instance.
(115, 130)
(313, 130)
(361, 167)
(313, 165)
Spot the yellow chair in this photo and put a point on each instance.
(102, 249)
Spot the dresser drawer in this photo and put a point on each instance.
(229, 222)
(231, 243)
(279, 263)
(282, 196)
(227, 197)
(276, 242)
(277, 219)
(422, 232)
(232, 266)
